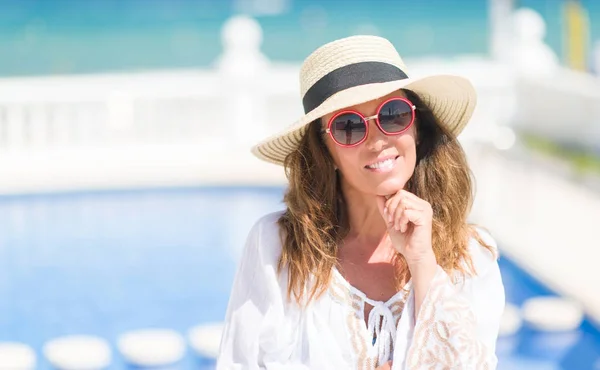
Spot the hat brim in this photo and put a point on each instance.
(452, 100)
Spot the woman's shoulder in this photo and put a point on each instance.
(483, 250)
(264, 237)
(267, 226)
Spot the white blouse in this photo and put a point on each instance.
(457, 325)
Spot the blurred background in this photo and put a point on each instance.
(127, 187)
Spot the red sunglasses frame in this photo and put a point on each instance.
(367, 119)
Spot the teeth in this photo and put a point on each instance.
(388, 163)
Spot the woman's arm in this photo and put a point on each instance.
(456, 325)
(254, 335)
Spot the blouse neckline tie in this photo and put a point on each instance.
(381, 325)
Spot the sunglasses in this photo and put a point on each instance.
(349, 128)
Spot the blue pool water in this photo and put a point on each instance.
(107, 262)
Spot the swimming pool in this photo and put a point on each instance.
(104, 263)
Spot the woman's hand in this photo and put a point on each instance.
(409, 219)
(386, 366)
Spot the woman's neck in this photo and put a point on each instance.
(367, 227)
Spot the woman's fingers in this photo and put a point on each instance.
(390, 210)
(401, 217)
(404, 207)
(417, 217)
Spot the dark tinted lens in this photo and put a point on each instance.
(395, 116)
(348, 128)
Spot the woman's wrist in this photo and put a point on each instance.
(422, 271)
(424, 263)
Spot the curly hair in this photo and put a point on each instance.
(315, 221)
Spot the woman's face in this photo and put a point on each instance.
(356, 163)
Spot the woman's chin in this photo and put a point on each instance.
(388, 187)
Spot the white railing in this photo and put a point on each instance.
(138, 108)
(103, 110)
(92, 111)
(203, 110)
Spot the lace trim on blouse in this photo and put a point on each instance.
(373, 341)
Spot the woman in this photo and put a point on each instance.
(372, 265)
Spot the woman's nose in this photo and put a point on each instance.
(376, 140)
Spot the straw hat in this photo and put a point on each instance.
(358, 69)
